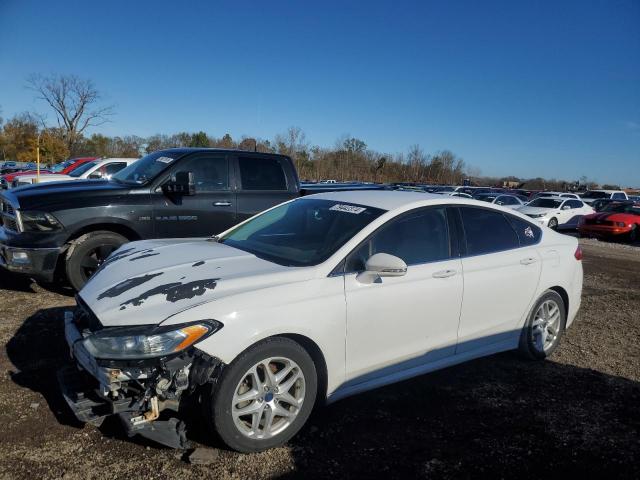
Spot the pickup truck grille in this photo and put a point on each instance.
(8, 216)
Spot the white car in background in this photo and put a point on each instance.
(319, 298)
(505, 200)
(593, 195)
(557, 194)
(556, 212)
(101, 168)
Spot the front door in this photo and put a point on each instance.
(210, 211)
(403, 322)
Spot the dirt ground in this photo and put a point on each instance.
(577, 413)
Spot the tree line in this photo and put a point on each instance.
(77, 107)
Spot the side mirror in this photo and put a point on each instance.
(182, 183)
(382, 265)
(95, 175)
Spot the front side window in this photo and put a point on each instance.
(210, 172)
(417, 237)
(261, 173)
(487, 231)
(301, 233)
(573, 204)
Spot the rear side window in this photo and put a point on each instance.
(487, 231)
(259, 173)
(417, 237)
(619, 196)
(528, 233)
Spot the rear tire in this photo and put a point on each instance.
(544, 327)
(633, 234)
(276, 411)
(87, 253)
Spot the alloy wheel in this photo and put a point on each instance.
(545, 327)
(268, 398)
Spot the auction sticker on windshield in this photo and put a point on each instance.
(164, 159)
(347, 208)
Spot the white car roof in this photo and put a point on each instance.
(392, 199)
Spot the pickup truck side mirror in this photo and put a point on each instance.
(382, 265)
(182, 183)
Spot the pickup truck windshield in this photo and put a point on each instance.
(594, 194)
(145, 169)
(77, 172)
(301, 233)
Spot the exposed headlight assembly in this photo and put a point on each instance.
(128, 343)
(39, 222)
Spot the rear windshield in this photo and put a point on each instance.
(596, 195)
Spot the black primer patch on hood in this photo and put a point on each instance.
(174, 291)
(197, 264)
(148, 253)
(128, 284)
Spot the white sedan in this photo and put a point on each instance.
(557, 212)
(319, 298)
(101, 168)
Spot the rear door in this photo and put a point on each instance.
(262, 182)
(501, 272)
(210, 211)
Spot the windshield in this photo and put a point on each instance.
(622, 208)
(58, 167)
(76, 172)
(596, 195)
(145, 169)
(303, 232)
(545, 203)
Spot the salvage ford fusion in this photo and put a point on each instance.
(313, 300)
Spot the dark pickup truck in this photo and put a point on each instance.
(71, 227)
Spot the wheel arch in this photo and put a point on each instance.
(565, 297)
(120, 228)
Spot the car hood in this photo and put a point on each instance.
(149, 281)
(45, 177)
(534, 210)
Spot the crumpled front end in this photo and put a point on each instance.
(146, 394)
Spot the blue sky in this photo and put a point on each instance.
(549, 88)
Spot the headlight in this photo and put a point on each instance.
(143, 342)
(39, 222)
(537, 215)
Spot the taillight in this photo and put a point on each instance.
(578, 253)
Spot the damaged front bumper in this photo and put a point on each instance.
(147, 395)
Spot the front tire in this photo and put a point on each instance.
(87, 253)
(553, 224)
(544, 327)
(264, 396)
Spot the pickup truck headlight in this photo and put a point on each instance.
(144, 342)
(39, 222)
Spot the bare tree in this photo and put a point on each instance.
(75, 102)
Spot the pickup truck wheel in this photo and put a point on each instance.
(86, 254)
(264, 396)
(544, 327)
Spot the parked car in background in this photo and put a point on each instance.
(616, 220)
(592, 195)
(63, 168)
(96, 169)
(454, 194)
(319, 298)
(180, 192)
(508, 201)
(556, 194)
(556, 212)
(600, 203)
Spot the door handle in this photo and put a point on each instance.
(444, 274)
(528, 261)
(221, 204)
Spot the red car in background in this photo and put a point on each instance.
(62, 168)
(615, 220)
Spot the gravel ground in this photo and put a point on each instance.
(499, 416)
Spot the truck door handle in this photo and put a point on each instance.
(444, 274)
(221, 204)
(528, 261)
